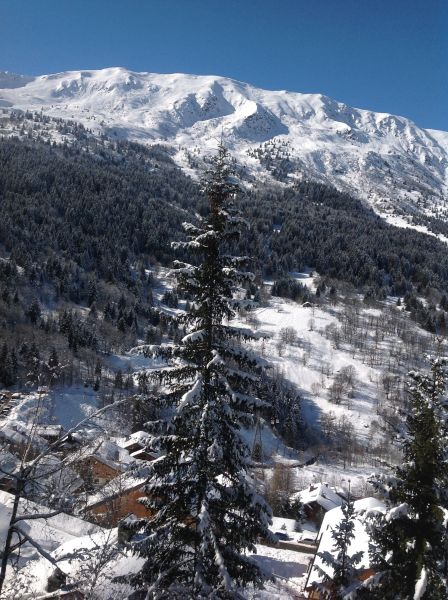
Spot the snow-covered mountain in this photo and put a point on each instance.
(398, 167)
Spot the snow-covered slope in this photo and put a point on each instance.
(389, 161)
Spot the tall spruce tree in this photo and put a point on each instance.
(409, 550)
(343, 579)
(207, 513)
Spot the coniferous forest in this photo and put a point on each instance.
(110, 254)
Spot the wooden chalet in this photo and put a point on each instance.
(317, 500)
(96, 470)
(118, 499)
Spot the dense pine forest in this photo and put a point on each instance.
(86, 224)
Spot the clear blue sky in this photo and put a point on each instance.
(385, 55)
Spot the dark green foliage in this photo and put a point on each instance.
(289, 288)
(8, 366)
(410, 542)
(100, 212)
(33, 312)
(312, 225)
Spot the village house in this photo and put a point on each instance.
(18, 440)
(99, 464)
(360, 543)
(96, 470)
(50, 433)
(317, 499)
(118, 499)
(137, 445)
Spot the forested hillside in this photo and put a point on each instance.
(85, 224)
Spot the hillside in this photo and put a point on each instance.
(388, 161)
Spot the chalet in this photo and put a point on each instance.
(318, 499)
(137, 442)
(17, 438)
(360, 543)
(118, 499)
(99, 464)
(50, 433)
(96, 470)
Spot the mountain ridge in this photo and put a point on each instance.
(398, 168)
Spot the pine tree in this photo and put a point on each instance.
(207, 512)
(341, 562)
(118, 381)
(92, 292)
(410, 540)
(54, 367)
(33, 312)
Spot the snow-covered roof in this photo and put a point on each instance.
(74, 557)
(360, 542)
(109, 453)
(322, 494)
(53, 430)
(16, 433)
(138, 437)
(48, 533)
(118, 486)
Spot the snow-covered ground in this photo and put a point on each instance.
(301, 363)
(288, 567)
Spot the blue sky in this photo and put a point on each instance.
(384, 55)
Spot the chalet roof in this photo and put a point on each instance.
(49, 429)
(138, 437)
(110, 454)
(322, 494)
(116, 466)
(48, 533)
(15, 433)
(127, 482)
(360, 542)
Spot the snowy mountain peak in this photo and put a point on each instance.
(387, 160)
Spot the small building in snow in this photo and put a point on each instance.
(318, 499)
(50, 433)
(360, 543)
(137, 441)
(101, 463)
(19, 440)
(118, 499)
(96, 471)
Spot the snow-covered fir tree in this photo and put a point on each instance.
(409, 551)
(207, 513)
(343, 579)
